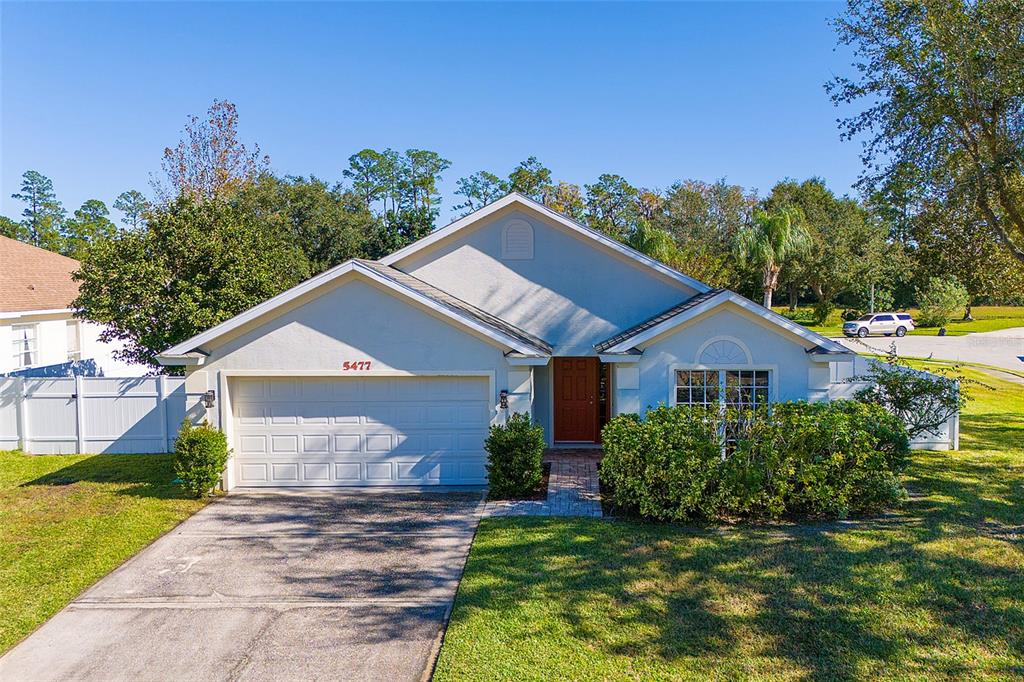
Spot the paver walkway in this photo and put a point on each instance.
(572, 488)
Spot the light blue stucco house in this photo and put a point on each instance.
(390, 372)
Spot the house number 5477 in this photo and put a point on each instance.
(357, 365)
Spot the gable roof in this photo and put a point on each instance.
(577, 228)
(406, 285)
(456, 304)
(700, 304)
(34, 279)
(656, 320)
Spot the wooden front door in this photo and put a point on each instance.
(576, 408)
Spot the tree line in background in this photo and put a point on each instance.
(941, 213)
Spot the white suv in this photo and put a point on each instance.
(880, 323)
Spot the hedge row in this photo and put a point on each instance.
(821, 459)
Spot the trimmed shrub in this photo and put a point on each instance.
(663, 465)
(200, 454)
(514, 453)
(821, 459)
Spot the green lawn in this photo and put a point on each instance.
(986, 319)
(68, 520)
(934, 592)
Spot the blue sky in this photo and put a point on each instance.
(93, 92)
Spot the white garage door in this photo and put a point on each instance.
(360, 431)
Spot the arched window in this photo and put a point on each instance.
(517, 240)
(723, 352)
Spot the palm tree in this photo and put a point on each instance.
(767, 242)
(654, 242)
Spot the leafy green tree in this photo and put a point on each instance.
(43, 214)
(210, 161)
(401, 189)
(330, 225)
(952, 240)
(612, 206)
(531, 178)
(371, 174)
(849, 247)
(943, 88)
(12, 229)
(194, 265)
(768, 242)
(134, 205)
(567, 199)
(939, 300)
(478, 190)
(88, 224)
(421, 171)
(703, 220)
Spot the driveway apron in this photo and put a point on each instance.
(288, 585)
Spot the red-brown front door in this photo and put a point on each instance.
(576, 412)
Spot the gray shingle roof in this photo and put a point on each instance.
(656, 320)
(457, 305)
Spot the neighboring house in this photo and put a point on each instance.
(39, 335)
(390, 372)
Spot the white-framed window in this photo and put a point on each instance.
(25, 345)
(74, 331)
(740, 388)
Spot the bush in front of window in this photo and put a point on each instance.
(200, 455)
(821, 459)
(665, 465)
(514, 453)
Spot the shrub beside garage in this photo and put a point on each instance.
(810, 459)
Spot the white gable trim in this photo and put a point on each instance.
(174, 354)
(582, 230)
(717, 300)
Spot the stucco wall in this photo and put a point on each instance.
(571, 293)
(354, 321)
(795, 376)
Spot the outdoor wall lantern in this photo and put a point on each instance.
(503, 400)
(208, 398)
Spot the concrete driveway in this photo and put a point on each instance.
(1003, 348)
(270, 586)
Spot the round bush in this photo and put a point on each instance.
(514, 453)
(200, 454)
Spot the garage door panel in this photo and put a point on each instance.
(348, 472)
(250, 444)
(404, 431)
(348, 443)
(318, 443)
(283, 389)
(250, 472)
(316, 472)
(284, 444)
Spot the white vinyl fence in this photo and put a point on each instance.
(90, 414)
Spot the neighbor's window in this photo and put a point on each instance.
(739, 388)
(24, 342)
(74, 341)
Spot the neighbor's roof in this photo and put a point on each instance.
(34, 279)
(456, 304)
